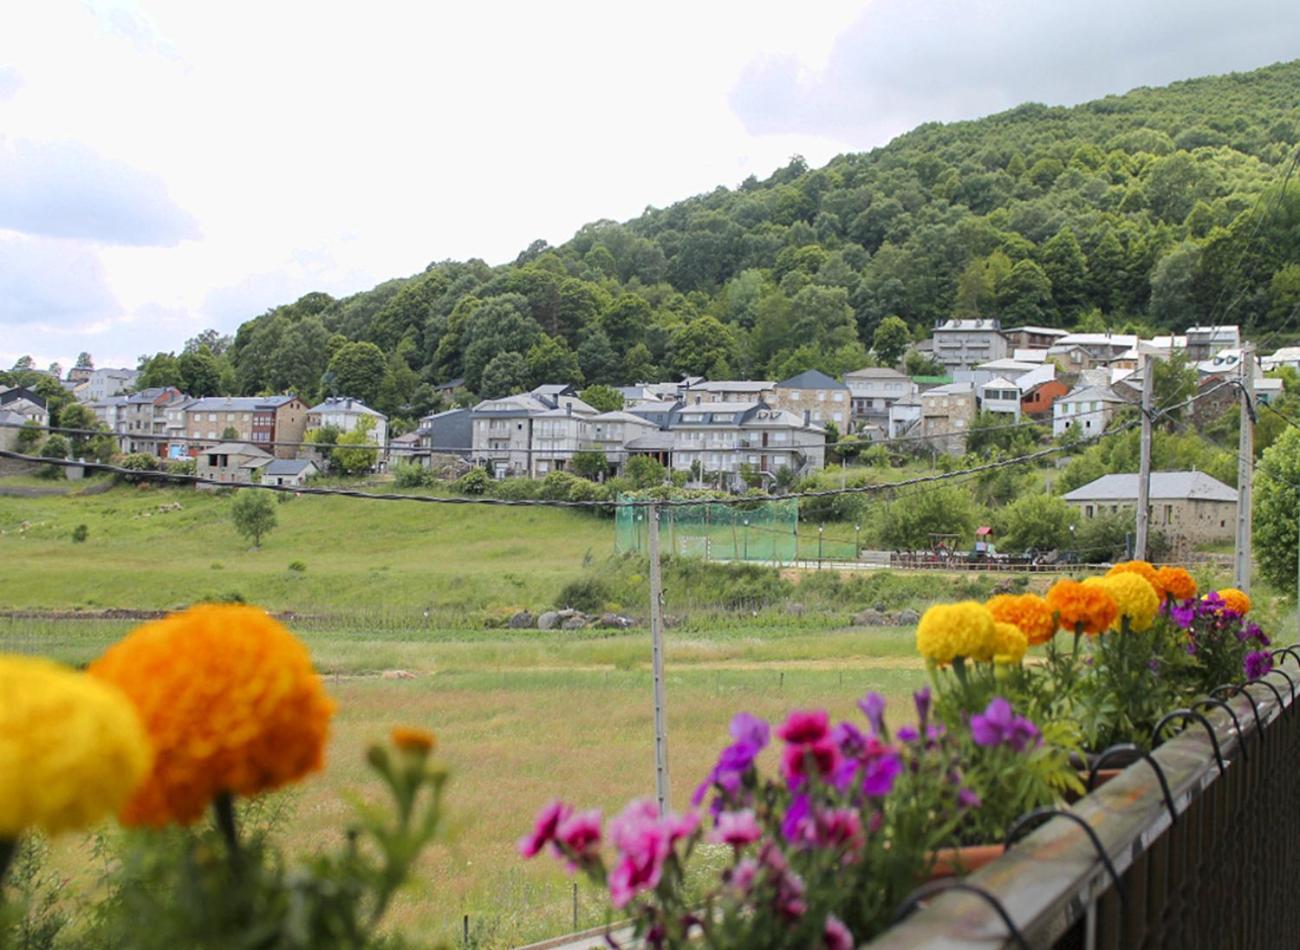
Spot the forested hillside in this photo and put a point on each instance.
(1162, 207)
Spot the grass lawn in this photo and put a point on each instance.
(523, 717)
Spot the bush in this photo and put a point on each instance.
(516, 489)
(297, 566)
(56, 447)
(140, 462)
(182, 467)
(411, 475)
(80, 533)
(590, 465)
(588, 594)
(644, 471)
(474, 482)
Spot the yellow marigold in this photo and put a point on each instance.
(231, 702)
(947, 631)
(1080, 607)
(1177, 583)
(1134, 598)
(1142, 569)
(1029, 612)
(1009, 643)
(1235, 600)
(410, 739)
(72, 749)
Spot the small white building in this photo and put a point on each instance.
(873, 390)
(1091, 408)
(109, 382)
(1001, 395)
(345, 414)
(293, 472)
(962, 344)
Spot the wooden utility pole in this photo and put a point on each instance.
(1245, 466)
(657, 662)
(1144, 470)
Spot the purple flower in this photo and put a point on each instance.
(873, 707)
(966, 798)
(883, 766)
(998, 725)
(852, 743)
(907, 734)
(922, 699)
(750, 730)
(797, 824)
(1257, 664)
(742, 879)
(1183, 614)
(1024, 735)
(543, 833)
(736, 828)
(835, 935)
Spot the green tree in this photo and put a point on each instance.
(597, 359)
(890, 340)
(1276, 529)
(357, 370)
(355, 452)
(592, 466)
(229, 434)
(92, 440)
(551, 361)
(506, 374)
(1035, 521)
(29, 435)
(1066, 267)
(200, 373)
(701, 345)
(84, 361)
(602, 398)
(625, 320)
(253, 514)
(161, 369)
(55, 447)
(1026, 295)
(644, 472)
(911, 519)
(639, 365)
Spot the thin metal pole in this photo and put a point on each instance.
(1144, 471)
(1245, 467)
(657, 661)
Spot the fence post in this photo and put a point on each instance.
(657, 661)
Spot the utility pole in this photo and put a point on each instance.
(657, 661)
(1144, 470)
(1245, 465)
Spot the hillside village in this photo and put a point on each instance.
(731, 435)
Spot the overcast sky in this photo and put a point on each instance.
(170, 166)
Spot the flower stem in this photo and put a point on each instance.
(8, 848)
(223, 807)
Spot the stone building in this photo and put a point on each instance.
(1189, 508)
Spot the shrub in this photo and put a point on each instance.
(590, 465)
(297, 566)
(140, 462)
(80, 533)
(474, 482)
(56, 447)
(588, 594)
(516, 489)
(182, 467)
(644, 471)
(411, 475)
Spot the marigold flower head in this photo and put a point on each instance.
(1235, 600)
(1142, 569)
(411, 739)
(1177, 583)
(1089, 610)
(1009, 643)
(231, 702)
(72, 749)
(947, 631)
(1134, 598)
(1029, 612)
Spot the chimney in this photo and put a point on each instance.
(568, 408)
(807, 416)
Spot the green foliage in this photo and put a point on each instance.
(29, 436)
(80, 533)
(253, 515)
(474, 482)
(34, 910)
(911, 519)
(298, 567)
(55, 447)
(590, 465)
(890, 340)
(1276, 533)
(602, 398)
(357, 370)
(355, 452)
(411, 475)
(1037, 521)
(644, 472)
(229, 434)
(505, 373)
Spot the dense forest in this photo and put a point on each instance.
(1159, 209)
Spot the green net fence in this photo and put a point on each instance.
(755, 531)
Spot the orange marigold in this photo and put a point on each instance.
(410, 739)
(1235, 600)
(1144, 570)
(1080, 607)
(1177, 583)
(1029, 612)
(230, 701)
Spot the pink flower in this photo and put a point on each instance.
(580, 837)
(644, 842)
(822, 756)
(736, 828)
(548, 819)
(743, 877)
(835, 935)
(804, 726)
(678, 827)
(840, 828)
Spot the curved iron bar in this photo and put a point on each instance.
(1254, 706)
(1277, 693)
(1286, 676)
(1131, 749)
(930, 888)
(1290, 651)
(1236, 723)
(1030, 820)
(1184, 715)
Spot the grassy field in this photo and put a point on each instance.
(525, 717)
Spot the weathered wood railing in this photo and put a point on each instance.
(1214, 865)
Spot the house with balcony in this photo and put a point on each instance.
(614, 434)
(1076, 352)
(872, 391)
(728, 390)
(506, 436)
(143, 421)
(261, 420)
(279, 422)
(1033, 338)
(1090, 408)
(1203, 343)
(964, 344)
(817, 397)
(723, 437)
(347, 415)
(111, 411)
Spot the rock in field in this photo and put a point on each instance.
(520, 621)
(548, 620)
(576, 622)
(397, 675)
(906, 618)
(871, 618)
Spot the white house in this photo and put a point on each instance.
(729, 390)
(531, 433)
(1285, 356)
(345, 414)
(1204, 342)
(961, 344)
(1001, 395)
(903, 415)
(289, 472)
(724, 436)
(109, 382)
(873, 390)
(1089, 407)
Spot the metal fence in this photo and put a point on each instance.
(761, 531)
(1195, 846)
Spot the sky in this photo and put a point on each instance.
(166, 167)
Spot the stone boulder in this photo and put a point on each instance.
(611, 621)
(576, 622)
(549, 620)
(521, 621)
(907, 618)
(871, 618)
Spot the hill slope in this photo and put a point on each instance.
(1162, 206)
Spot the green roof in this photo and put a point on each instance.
(936, 380)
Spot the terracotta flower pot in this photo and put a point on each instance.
(954, 862)
(1103, 776)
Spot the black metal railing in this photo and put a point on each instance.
(1196, 845)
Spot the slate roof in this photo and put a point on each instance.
(1164, 486)
(810, 379)
(288, 466)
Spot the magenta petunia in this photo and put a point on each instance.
(736, 828)
(807, 725)
(835, 935)
(750, 730)
(579, 835)
(548, 819)
(799, 761)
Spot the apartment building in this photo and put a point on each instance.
(963, 344)
(817, 397)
